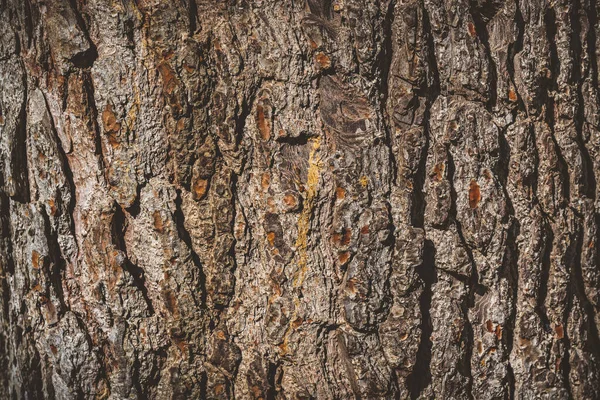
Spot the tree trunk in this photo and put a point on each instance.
(330, 199)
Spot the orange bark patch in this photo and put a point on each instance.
(283, 347)
(170, 301)
(219, 389)
(262, 123)
(297, 322)
(181, 345)
(256, 392)
(111, 125)
(489, 325)
(271, 238)
(344, 257)
(498, 332)
(560, 333)
(35, 259)
(340, 193)
(158, 222)
(364, 230)
(52, 206)
(438, 170)
(472, 30)
(342, 238)
(181, 124)
(188, 68)
(290, 200)
(323, 60)
(350, 286)
(110, 120)
(199, 188)
(266, 180)
(170, 81)
(512, 95)
(346, 237)
(474, 194)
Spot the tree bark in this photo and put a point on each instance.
(329, 199)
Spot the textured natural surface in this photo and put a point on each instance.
(288, 199)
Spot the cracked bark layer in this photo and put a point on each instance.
(299, 199)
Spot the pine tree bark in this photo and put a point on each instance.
(329, 199)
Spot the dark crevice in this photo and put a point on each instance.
(55, 275)
(184, 235)
(203, 385)
(86, 58)
(384, 63)
(119, 226)
(482, 34)
(513, 50)
(504, 159)
(135, 207)
(135, 378)
(473, 284)
(272, 380)
(90, 102)
(578, 289)
(592, 15)
(510, 272)
(385, 55)
(300, 140)
(588, 184)
(573, 264)
(242, 113)
(432, 92)
(563, 169)
(8, 265)
(417, 211)
(28, 22)
(420, 376)
(68, 173)
(193, 16)
(20, 167)
(545, 276)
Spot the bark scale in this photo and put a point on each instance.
(299, 199)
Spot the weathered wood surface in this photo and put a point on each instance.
(286, 199)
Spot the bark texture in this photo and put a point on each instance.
(287, 199)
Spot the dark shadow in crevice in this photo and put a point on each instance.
(184, 235)
(420, 377)
(119, 226)
(545, 276)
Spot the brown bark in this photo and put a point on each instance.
(331, 199)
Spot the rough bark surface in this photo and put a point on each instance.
(330, 199)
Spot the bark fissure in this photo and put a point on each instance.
(308, 199)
